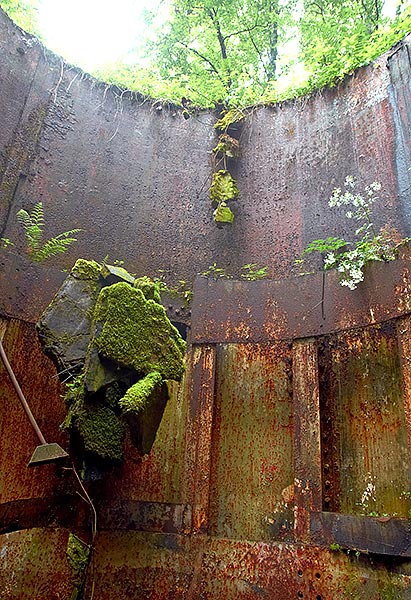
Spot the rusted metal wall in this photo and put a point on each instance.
(134, 174)
(252, 443)
(364, 434)
(288, 403)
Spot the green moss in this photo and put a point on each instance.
(136, 333)
(113, 394)
(86, 269)
(101, 430)
(150, 289)
(138, 397)
(223, 187)
(78, 554)
(223, 214)
(230, 117)
(74, 399)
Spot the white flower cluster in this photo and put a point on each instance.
(349, 258)
(350, 264)
(369, 492)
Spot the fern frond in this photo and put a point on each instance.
(24, 218)
(37, 214)
(33, 224)
(34, 234)
(56, 245)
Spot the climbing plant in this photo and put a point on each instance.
(224, 187)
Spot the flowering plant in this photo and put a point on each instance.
(350, 257)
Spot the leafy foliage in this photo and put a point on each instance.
(249, 272)
(24, 13)
(351, 257)
(33, 225)
(234, 52)
(252, 272)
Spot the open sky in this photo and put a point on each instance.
(92, 33)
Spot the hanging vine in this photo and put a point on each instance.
(223, 188)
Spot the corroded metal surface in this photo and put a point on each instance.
(366, 468)
(127, 170)
(34, 565)
(252, 457)
(265, 431)
(138, 566)
(35, 374)
(307, 442)
(199, 435)
(245, 312)
(376, 535)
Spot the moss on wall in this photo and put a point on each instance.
(135, 332)
(86, 269)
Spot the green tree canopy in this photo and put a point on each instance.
(234, 52)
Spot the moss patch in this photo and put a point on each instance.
(101, 430)
(223, 187)
(223, 214)
(138, 396)
(150, 289)
(136, 333)
(77, 554)
(86, 269)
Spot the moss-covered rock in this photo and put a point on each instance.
(136, 333)
(138, 396)
(150, 289)
(101, 430)
(64, 327)
(107, 330)
(86, 269)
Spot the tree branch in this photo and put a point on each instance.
(205, 59)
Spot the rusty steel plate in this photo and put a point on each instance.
(264, 310)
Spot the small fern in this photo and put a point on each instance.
(33, 225)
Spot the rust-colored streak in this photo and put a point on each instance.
(364, 433)
(404, 342)
(201, 420)
(252, 466)
(37, 378)
(307, 449)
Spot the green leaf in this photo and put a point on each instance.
(223, 187)
(223, 214)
